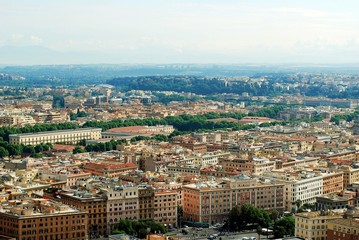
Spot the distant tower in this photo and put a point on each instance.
(356, 126)
(98, 100)
(58, 101)
(107, 95)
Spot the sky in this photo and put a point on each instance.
(179, 31)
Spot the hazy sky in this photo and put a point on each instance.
(179, 31)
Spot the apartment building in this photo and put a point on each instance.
(69, 177)
(109, 170)
(332, 182)
(211, 201)
(212, 137)
(296, 162)
(122, 202)
(332, 201)
(42, 219)
(350, 175)
(202, 160)
(123, 132)
(314, 225)
(70, 136)
(194, 146)
(194, 170)
(165, 207)
(94, 205)
(300, 186)
(146, 196)
(16, 120)
(252, 165)
(352, 156)
(50, 117)
(217, 147)
(343, 229)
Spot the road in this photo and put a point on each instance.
(206, 232)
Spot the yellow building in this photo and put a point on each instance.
(313, 225)
(343, 229)
(350, 175)
(62, 136)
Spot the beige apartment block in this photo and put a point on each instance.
(343, 229)
(165, 207)
(122, 203)
(313, 225)
(350, 176)
(253, 165)
(211, 201)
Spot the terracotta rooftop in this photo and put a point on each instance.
(223, 119)
(110, 166)
(63, 148)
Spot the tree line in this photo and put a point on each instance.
(138, 228)
(183, 124)
(347, 117)
(8, 149)
(272, 85)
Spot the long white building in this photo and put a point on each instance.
(303, 187)
(70, 136)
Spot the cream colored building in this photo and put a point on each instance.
(165, 207)
(300, 186)
(343, 229)
(350, 176)
(62, 136)
(211, 201)
(122, 203)
(313, 225)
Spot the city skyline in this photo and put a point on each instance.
(89, 32)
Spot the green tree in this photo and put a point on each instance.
(14, 149)
(298, 204)
(58, 101)
(283, 227)
(39, 148)
(73, 116)
(274, 215)
(179, 215)
(29, 150)
(160, 138)
(3, 152)
(78, 149)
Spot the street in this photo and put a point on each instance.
(203, 234)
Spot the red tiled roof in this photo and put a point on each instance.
(302, 139)
(63, 148)
(340, 162)
(109, 166)
(127, 129)
(223, 119)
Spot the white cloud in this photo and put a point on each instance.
(234, 28)
(16, 38)
(300, 12)
(36, 40)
